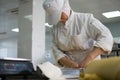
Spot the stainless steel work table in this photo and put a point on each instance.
(71, 74)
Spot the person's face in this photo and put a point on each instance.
(64, 17)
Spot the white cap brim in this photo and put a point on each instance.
(54, 18)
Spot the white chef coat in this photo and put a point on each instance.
(77, 37)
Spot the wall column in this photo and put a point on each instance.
(31, 39)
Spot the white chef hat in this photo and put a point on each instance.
(54, 9)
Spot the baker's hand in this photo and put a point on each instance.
(84, 63)
(92, 55)
(65, 61)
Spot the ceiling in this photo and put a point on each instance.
(97, 7)
(9, 20)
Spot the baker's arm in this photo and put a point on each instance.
(101, 34)
(91, 56)
(103, 37)
(62, 59)
(68, 62)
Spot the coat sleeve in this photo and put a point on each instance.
(57, 53)
(101, 34)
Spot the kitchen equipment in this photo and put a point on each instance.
(10, 66)
(19, 68)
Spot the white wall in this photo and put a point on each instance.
(8, 21)
(25, 30)
(10, 47)
(115, 30)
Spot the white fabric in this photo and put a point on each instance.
(54, 9)
(79, 35)
(51, 71)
